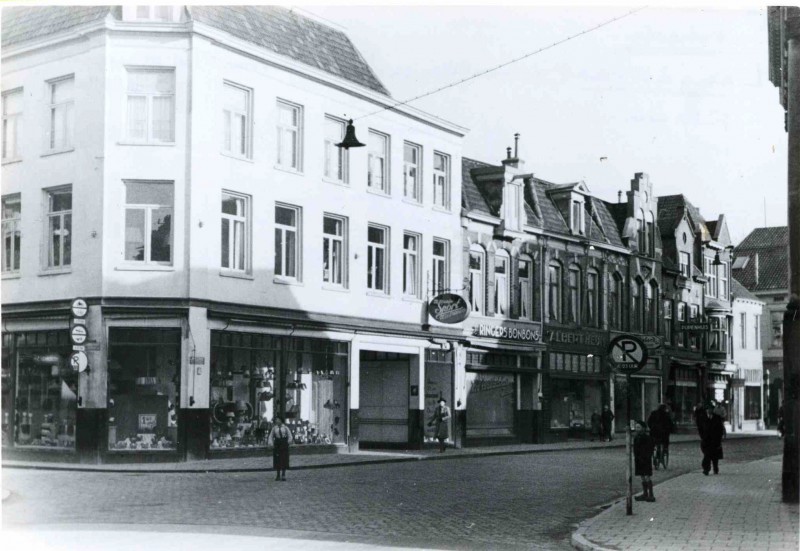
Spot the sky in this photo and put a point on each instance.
(681, 94)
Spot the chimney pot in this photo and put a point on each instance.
(508, 152)
(619, 196)
(516, 144)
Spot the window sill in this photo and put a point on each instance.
(341, 183)
(55, 271)
(412, 202)
(288, 170)
(441, 209)
(12, 161)
(235, 274)
(284, 281)
(57, 152)
(237, 157)
(154, 144)
(11, 275)
(335, 288)
(379, 193)
(144, 268)
(409, 298)
(378, 294)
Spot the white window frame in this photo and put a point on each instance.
(12, 120)
(666, 328)
(284, 130)
(329, 240)
(477, 281)
(441, 266)
(722, 281)
(757, 332)
(574, 293)
(283, 230)
(501, 279)
(616, 291)
(150, 97)
(711, 277)
(412, 264)
(415, 193)
(152, 11)
(12, 228)
(66, 141)
(743, 328)
(62, 217)
(555, 291)
(339, 155)
(694, 338)
(577, 217)
(524, 287)
(243, 221)
(441, 181)
(229, 114)
(681, 336)
(148, 209)
(373, 284)
(593, 298)
(373, 156)
(685, 261)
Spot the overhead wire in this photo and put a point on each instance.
(506, 64)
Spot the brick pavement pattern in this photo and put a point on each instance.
(740, 509)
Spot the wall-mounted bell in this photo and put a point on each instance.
(350, 139)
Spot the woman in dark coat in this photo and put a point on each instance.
(441, 421)
(279, 439)
(712, 431)
(643, 446)
(607, 418)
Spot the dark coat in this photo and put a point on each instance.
(660, 424)
(607, 416)
(279, 438)
(712, 430)
(441, 418)
(643, 447)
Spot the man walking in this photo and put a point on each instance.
(712, 431)
(607, 418)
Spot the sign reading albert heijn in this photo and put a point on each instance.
(627, 353)
(448, 308)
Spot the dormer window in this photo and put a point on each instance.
(512, 206)
(154, 14)
(576, 219)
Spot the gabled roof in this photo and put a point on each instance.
(770, 246)
(670, 213)
(275, 28)
(760, 238)
(740, 291)
(471, 197)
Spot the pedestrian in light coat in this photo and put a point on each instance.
(712, 432)
(441, 422)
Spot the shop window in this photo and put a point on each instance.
(144, 367)
(476, 279)
(148, 222)
(46, 390)
(334, 250)
(411, 265)
(501, 261)
(12, 234)
(645, 393)
(412, 181)
(336, 158)
(378, 159)
(490, 404)
(256, 377)
(12, 123)
(287, 242)
(574, 284)
(592, 313)
(59, 227)
(438, 384)
(574, 401)
(377, 259)
(525, 296)
(290, 136)
(441, 265)
(615, 296)
(235, 238)
(683, 397)
(554, 291)
(752, 402)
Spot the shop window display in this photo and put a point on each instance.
(573, 402)
(491, 401)
(255, 377)
(45, 390)
(143, 380)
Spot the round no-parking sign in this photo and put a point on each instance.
(627, 353)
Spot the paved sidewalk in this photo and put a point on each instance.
(317, 461)
(740, 509)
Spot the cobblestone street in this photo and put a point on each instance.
(513, 501)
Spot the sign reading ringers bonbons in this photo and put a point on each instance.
(627, 353)
(448, 308)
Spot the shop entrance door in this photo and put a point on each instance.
(383, 402)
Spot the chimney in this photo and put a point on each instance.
(619, 196)
(513, 161)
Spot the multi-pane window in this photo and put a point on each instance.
(59, 227)
(235, 232)
(476, 287)
(574, 288)
(378, 158)
(615, 301)
(412, 182)
(686, 264)
(694, 340)
(335, 157)
(577, 217)
(667, 325)
(162, 14)
(12, 236)
(554, 292)
(236, 120)
(501, 284)
(377, 258)
(61, 116)
(524, 269)
(636, 312)
(718, 335)
(650, 308)
(681, 336)
(411, 264)
(757, 332)
(290, 136)
(334, 250)
(287, 242)
(148, 222)
(12, 123)
(651, 235)
(151, 105)
(723, 281)
(441, 265)
(711, 277)
(776, 318)
(743, 328)
(441, 180)
(592, 317)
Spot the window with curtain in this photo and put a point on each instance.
(592, 313)
(412, 182)
(554, 291)
(378, 159)
(476, 279)
(59, 227)
(236, 120)
(235, 232)
(411, 265)
(666, 327)
(287, 242)
(524, 279)
(12, 236)
(377, 258)
(61, 113)
(336, 158)
(574, 290)
(615, 297)
(441, 265)
(148, 222)
(151, 105)
(12, 123)
(501, 261)
(290, 136)
(334, 247)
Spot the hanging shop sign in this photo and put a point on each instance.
(518, 332)
(448, 308)
(79, 308)
(627, 353)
